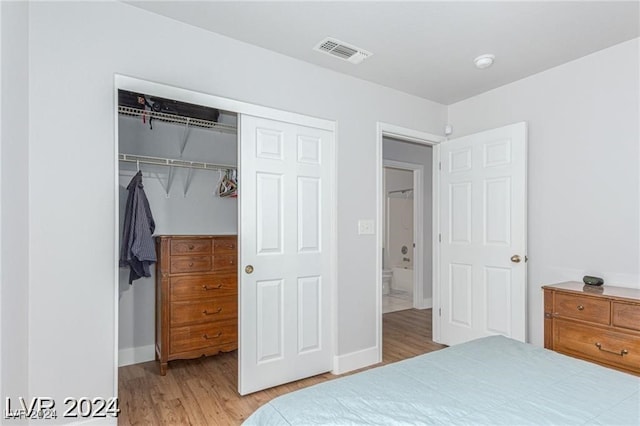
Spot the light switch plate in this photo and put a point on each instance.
(365, 227)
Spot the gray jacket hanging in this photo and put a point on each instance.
(137, 249)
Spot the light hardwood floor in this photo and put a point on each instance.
(204, 391)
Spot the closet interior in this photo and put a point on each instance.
(187, 157)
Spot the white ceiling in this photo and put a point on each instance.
(422, 48)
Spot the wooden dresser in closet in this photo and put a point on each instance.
(196, 296)
(598, 324)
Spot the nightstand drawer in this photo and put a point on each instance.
(626, 315)
(600, 345)
(582, 308)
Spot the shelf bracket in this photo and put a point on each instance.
(169, 181)
(187, 183)
(185, 137)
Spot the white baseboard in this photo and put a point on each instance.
(425, 304)
(355, 360)
(136, 355)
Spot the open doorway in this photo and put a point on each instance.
(407, 202)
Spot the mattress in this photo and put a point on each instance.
(489, 381)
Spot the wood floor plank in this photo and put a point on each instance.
(204, 391)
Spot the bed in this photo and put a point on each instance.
(489, 381)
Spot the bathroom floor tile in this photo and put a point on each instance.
(392, 303)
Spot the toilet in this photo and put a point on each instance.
(387, 275)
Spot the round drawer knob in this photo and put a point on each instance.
(580, 308)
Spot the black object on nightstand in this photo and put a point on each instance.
(596, 281)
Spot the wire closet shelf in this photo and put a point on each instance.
(171, 162)
(176, 119)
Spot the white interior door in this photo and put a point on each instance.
(285, 282)
(483, 227)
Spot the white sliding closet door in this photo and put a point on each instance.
(285, 280)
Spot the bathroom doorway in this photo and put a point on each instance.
(414, 152)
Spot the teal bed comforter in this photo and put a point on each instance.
(489, 381)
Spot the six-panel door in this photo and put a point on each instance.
(483, 235)
(285, 253)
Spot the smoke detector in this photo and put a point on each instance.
(342, 50)
(484, 61)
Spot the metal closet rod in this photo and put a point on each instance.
(171, 162)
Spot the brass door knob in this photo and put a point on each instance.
(248, 269)
(515, 258)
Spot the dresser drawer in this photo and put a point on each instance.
(217, 309)
(225, 245)
(582, 308)
(193, 288)
(183, 264)
(626, 315)
(225, 263)
(190, 246)
(184, 339)
(600, 345)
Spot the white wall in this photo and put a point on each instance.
(408, 152)
(75, 49)
(14, 150)
(200, 212)
(583, 165)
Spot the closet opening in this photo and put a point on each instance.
(210, 306)
(184, 157)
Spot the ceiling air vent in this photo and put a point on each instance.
(342, 50)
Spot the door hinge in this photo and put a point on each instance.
(439, 312)
(439, 165)
(439, 238)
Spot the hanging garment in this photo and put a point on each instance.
(137, 249)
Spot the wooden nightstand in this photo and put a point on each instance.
(598, 324)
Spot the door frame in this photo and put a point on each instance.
(123, 82)
(423, 138)
(417, 171)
